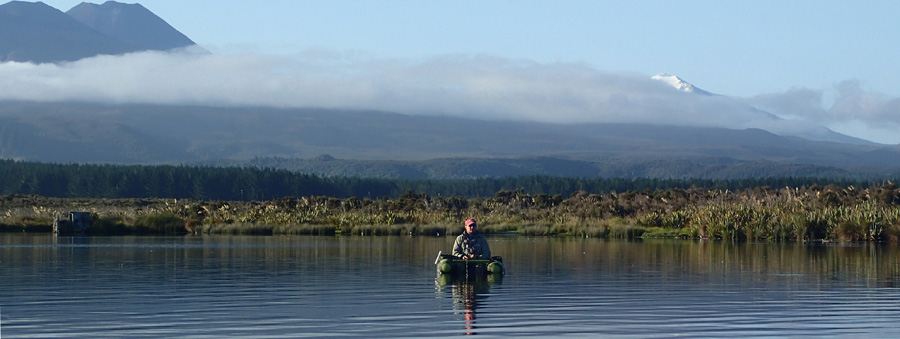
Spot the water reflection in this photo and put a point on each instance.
(466, 297)
(865, 265)
(293, 286)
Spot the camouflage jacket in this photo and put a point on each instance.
(475, 246)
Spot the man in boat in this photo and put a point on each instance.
(471, 244)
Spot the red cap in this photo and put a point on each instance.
(470, 221)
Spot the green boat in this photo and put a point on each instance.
(472, 269)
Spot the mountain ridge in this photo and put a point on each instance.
(38, 33)
(131, 23)
(819, 133)
(371, 142)
(679, 83)
(374, 142)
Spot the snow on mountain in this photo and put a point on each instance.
(679, 84)
(772, 122)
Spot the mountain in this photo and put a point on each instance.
(377, 143)
(35, 32)
(384, 144)
(818, 133)
(72, 140)
(679, 84)
(130, 23)
(38, 33)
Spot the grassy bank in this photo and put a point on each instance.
(816, 213)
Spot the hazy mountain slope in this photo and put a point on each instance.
(131, 23)
(64, 139)
(39, 33)
(376, 143)
(818, 133)
(395, 145)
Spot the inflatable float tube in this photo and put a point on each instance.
(448, 264)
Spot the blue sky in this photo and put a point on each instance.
(740, 48)
(752, 50)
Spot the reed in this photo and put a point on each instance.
(163, 223)
(785, 214)
(667, 233)
(379, 230)
(239, 229)
(537, 230)
(109, 225)
(27, 224)
(305, 229)
(434, 230)
(626, 232)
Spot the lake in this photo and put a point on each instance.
(352, 286)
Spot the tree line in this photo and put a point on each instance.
(251, 183)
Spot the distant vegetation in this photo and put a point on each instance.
(234, 183)
(816, 213)
(628, 166)
(790, 209)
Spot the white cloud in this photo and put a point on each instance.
(796, 103)
(852, 110)
(853, 103)
(459, 85)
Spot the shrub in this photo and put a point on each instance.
(165, 223)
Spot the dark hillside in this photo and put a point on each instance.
(390, 145)
(39, 33)
(131, 23)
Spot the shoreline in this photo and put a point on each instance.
(789, 214)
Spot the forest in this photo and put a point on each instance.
(251, 183)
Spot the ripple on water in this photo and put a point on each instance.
(385, 287)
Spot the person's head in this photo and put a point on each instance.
(471, 224)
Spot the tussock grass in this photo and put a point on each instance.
(163, 223)
(27, 223)
(238, 229)
(305, 229)
(788, 214)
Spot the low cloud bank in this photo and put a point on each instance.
(468, 86)
(872, 114)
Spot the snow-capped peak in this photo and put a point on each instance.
(678, 83)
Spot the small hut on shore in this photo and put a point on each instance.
(72, 222)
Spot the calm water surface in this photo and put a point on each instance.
(281, 286)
